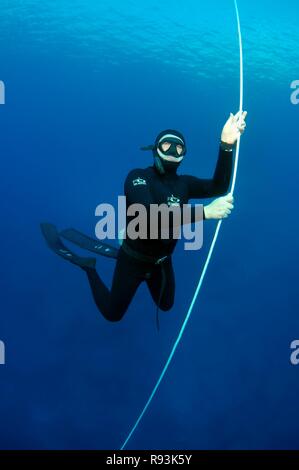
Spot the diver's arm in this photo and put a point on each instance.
(219, 184)
(137, 189)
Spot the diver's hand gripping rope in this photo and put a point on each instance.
(209, 254)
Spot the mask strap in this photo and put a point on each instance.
(158, 163)
(148, 147)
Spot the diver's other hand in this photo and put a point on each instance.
(234, 127)
(221, 208)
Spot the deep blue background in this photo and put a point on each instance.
(87, 83)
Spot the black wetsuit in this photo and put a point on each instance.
(147, 186)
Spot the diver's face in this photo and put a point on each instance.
(171, 151)
(166, 146)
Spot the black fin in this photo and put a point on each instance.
(88, 243)
(51, 236)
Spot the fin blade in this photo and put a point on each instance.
(53, 241)
(89, 243)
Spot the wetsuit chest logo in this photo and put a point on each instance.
(173, 201)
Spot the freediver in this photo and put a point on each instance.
(150, 260)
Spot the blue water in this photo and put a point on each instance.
(88, 83)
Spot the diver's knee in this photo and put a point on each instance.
(166, 307)
(114, 319)
(115, 315)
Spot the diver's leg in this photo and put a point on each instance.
(155, 284)
(114, 303)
